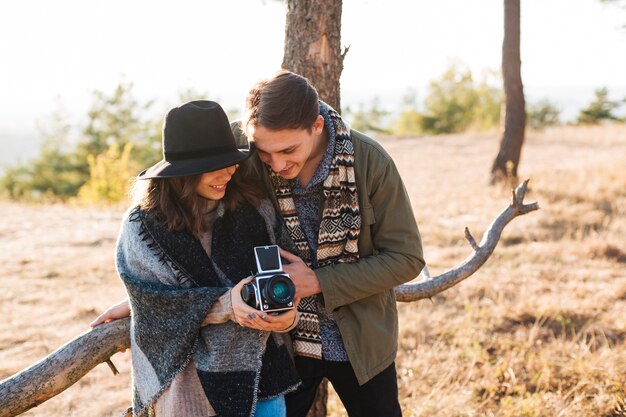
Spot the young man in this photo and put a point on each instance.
(348, 213)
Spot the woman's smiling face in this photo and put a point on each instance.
(212, 185)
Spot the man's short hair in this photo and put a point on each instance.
(285, 101)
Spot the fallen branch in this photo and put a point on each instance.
(482, 252)
(62, 368)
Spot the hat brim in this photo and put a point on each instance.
(183, 168)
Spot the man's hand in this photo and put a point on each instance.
(302, 276)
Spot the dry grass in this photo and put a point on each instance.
(539, 331)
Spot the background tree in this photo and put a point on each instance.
(455, 102)
(54, 174)
(71, 154)
(543, 113)
(118, 119)
(368, 120)
(313, 50)
(601, 108)
(507, 161)
(312, 45)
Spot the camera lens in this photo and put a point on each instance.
(280, 289)
(247, 295)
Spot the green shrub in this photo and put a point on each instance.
(55, 174)
(543, 114)
(601, 108)
(115, 121)
(109, 176)
(455, 102)
(408, 123)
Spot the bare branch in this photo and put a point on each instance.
(482, 252)
(345, 52)
(62, 368)
(471, 239)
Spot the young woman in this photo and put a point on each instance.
(183, 253)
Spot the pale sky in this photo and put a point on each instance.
(58, 52)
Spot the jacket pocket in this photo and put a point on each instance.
(368, 219)
(367, 216)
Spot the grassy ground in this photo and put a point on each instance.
(538, 331)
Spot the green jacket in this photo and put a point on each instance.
(361, 294)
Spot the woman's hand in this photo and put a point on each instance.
(115, 312)
(247, 316)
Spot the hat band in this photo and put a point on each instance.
(200, 153)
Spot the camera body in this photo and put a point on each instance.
(271, 290)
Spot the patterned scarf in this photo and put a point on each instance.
(339, 228)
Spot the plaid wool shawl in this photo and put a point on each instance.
(232, 362)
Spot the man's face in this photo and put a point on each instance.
(287, 151)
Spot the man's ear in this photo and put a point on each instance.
(318, 125)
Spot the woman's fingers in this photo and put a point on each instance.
(269, 322)
(249, 317)
(241, 283)
(114, 312)
(242, 312)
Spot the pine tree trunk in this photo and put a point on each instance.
(318, 409)
(506, 163)
(313, 50)
(313, 45)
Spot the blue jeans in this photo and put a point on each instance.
(271, 408)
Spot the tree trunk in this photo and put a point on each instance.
(313, 45)
(313, 50)
(318, 409)
(506, 163)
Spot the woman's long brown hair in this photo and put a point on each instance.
(175, 202)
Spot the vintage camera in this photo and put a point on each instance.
(271, 289)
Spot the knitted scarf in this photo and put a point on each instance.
(236, 365)
(339, 229)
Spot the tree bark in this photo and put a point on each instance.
(507, 161)
(313, 50)
(313, 45)
(318, 409)
(62, 368)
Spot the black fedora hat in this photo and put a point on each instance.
(196, 139)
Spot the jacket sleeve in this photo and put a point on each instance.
(396, 244)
